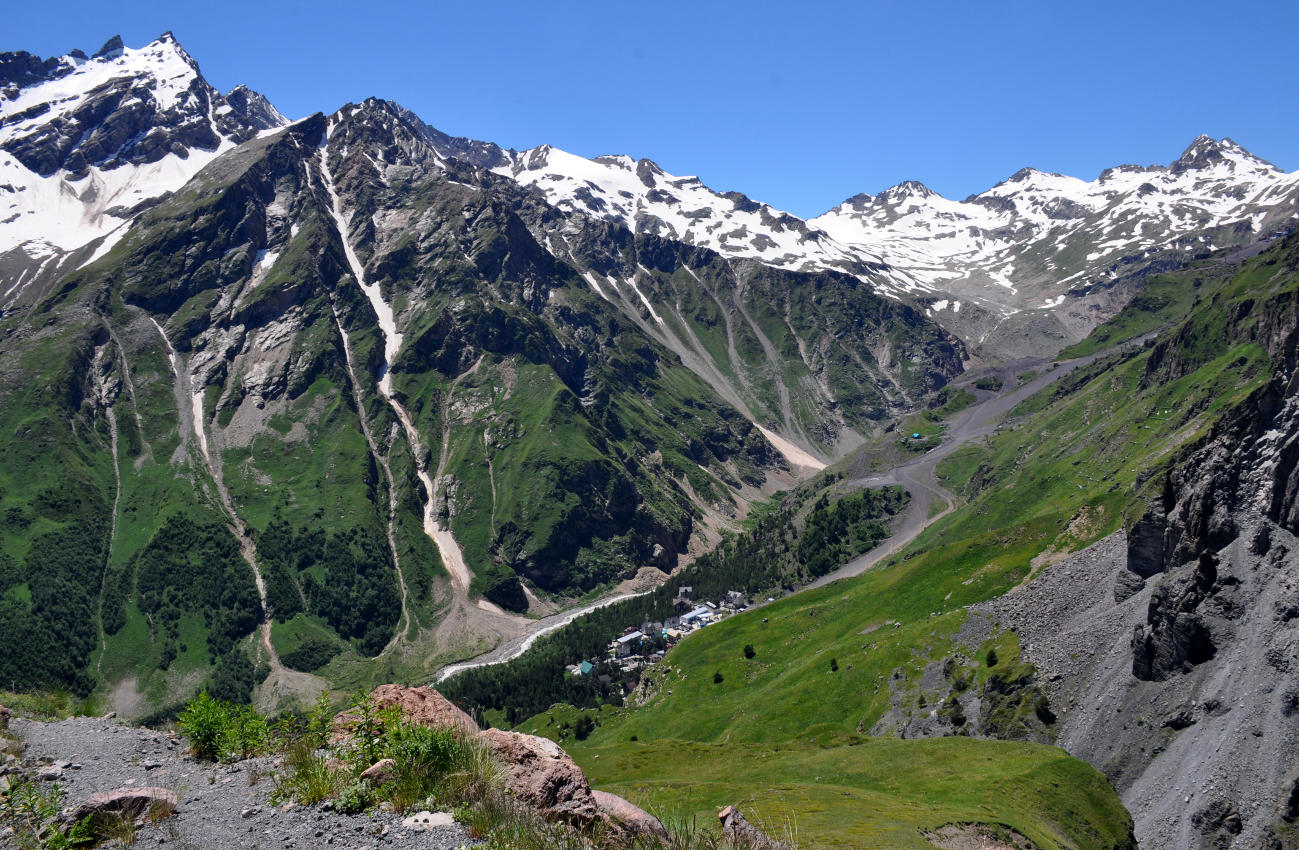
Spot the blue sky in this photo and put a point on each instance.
(796, 104)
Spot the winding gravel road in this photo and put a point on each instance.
(917, 476)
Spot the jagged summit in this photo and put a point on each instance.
(1206, 152)
(112, 49)
(907, 189)
(86, 142)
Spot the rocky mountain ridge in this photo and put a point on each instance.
(89, 142)
(1169, 645)
(1054, 248)
(1026, 267)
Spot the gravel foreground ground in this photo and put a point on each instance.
(221, 807)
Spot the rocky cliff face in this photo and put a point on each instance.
(1170, 649)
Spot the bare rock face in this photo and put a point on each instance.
(542, 775)
(741, 833)
(629, 816)
(420, 706)
(145, 804)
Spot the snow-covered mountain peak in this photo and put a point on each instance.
(87, 142)
(1207, 153)
(1038, 238)
(648, 200)
(161, 66)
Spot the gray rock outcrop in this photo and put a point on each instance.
(740, 833)
(629, 816)
(148, 804)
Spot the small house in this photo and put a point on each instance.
(626, 644)
(696, 617)
(585, 668)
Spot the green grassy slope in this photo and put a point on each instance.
(871, 792)
(1067, 471)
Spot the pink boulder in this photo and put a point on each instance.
(540, 774)
(420, 706)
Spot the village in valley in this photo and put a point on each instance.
(639, 646)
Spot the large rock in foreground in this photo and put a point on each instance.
(420, 706)
(539, 773)
(141, 805)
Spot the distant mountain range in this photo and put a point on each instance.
(399, 385)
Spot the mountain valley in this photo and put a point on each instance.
(292, 408)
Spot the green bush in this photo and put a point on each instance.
(354, 799)
(220, 731)
(203, 723)
(309, 778)
(314, 653)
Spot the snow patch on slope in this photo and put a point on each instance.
(792, 453)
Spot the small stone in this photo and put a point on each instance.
(381, 772)
(428, 820)
(49, 774)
